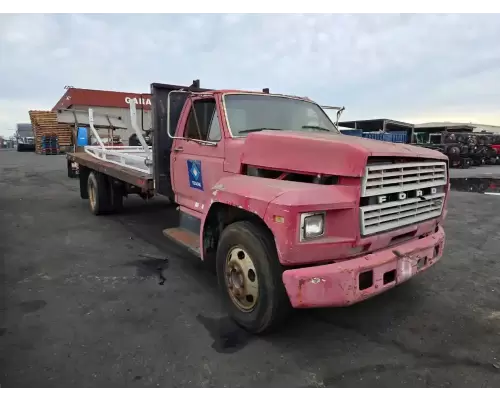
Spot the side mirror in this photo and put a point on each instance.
(169, 100)
(340, 110)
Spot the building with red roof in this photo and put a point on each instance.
(105, 102)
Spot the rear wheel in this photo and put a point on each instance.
(133, 140)
(249, 275)
(71, 171)
(116, 191)
(99, 194)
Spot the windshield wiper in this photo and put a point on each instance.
(316, 127)
(259, 129)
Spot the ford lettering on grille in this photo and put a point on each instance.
(402, 194)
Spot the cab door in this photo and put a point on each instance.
(198, 165)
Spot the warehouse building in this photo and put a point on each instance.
(431, 127)
(403, 131)
(115, 104)
(380, 124)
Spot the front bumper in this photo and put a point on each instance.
(348, 282)
(27, 146)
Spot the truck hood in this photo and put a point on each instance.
(325, 153)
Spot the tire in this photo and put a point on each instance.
(71, 173)
(133, 141)
(171, 199)
(116, 198)
(83, 180)
(19, 148)
(272, 306)
(99, 194)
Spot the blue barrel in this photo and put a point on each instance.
(394, 137)
(82, 138)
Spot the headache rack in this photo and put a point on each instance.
(138, 158)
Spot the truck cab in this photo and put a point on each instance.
(25, 137)
(292, 213)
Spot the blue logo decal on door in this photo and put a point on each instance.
(195, 177)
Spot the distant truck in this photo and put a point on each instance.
(25, 137)
(292, 213)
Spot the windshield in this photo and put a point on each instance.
(25, 133)
(250, 113)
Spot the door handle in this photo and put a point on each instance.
(178, 149)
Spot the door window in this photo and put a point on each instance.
(203, 122)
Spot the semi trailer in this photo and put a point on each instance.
(292, 213)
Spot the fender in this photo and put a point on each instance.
(249, 193)
(267, 198)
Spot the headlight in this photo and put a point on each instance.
(312, 225)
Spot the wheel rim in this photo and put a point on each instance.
(241, 279)
(92, 196)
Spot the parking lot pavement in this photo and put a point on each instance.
(109, 302)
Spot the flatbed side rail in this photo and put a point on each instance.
(129, 175)
(132, 157)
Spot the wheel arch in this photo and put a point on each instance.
(219, 216)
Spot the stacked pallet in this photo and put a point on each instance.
(50, 135)
(49, 145)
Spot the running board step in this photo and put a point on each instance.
(185, 238)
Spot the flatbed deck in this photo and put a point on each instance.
(128, 175)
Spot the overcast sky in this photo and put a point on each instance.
(416, 68)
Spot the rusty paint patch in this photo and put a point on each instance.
(185, 238)
(299, 294)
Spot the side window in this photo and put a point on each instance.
(203, 123)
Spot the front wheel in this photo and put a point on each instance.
(249, 275)
(171, 199)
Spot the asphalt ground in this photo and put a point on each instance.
(109, 302)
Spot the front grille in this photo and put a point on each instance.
(401, 194)
(389, 178)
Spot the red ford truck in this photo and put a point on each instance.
(292, 213)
